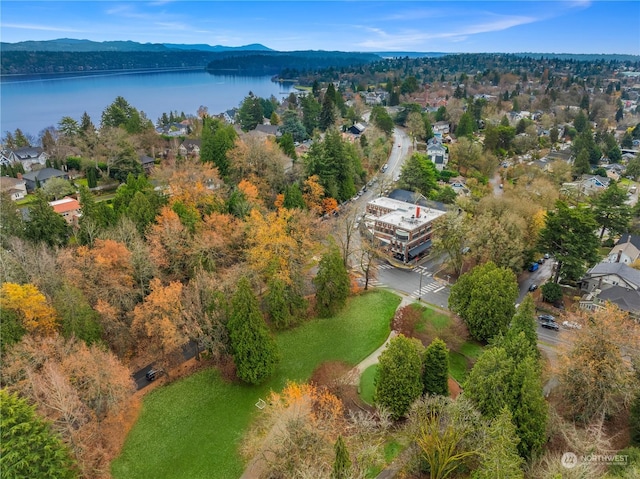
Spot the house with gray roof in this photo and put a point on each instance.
(626, 299)
(28, 156)
(37, 179)
(16, 188)
(606, 275)
(437, 153)
(624, 252)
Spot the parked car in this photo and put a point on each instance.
(571, 325)
(534, 267)
(550, 325)
(541, 261)
(546, 317)
(533, 287)
(153, 374)
(546, 256)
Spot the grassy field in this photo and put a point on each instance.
(192, 428)
(367, 387)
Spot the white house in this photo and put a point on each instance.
(16, 188)
(27, 156)
(437, 153)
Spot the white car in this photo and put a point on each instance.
(571, 325)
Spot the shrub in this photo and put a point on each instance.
(551, 292)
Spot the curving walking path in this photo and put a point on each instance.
(256, 465)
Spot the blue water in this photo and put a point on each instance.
(33, 103)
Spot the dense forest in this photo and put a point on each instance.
(262, 62)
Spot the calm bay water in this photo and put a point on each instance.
(34, 103)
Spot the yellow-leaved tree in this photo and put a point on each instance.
(31, 306)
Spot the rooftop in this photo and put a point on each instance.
(406, 215)
(64, 205)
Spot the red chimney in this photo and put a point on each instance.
(417, 211)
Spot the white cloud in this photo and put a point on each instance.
(383, 40)
(44, 28)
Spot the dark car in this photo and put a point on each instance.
(550, 325)
(533, 287)
(541, 261)
(546, 317)
(153, 374)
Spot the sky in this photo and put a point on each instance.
(551, 26)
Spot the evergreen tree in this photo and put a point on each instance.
(489, 384)
(328, 113)
(291, 124)
(436, 368)
(611, 211)
(499, 458)
(20, 139)
(485, 298)
(293, 197)
(251, 113)
(45, 224)
(496, 381)
(342, 462)
(529, 408)
(569, 236)
(92, 177)
(332, 283)
(287, 146)
(581, 164)
(382, 120)
(11, 223)
(29, 447)
(216, 140)
(523, 322)
(419, 174)
(466, 125)
(398, 381)
(310, 113)
(285, 303)
(254, 350)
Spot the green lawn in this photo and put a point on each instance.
(461, 360)
(192, 428)
(471, 349)
(438, 320)
(26, 200)
(457, 366)
(367, 387)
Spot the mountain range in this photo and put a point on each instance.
(74, 45)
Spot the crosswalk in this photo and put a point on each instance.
(423, 271)
(372, 282)
(385, 266)
(431, 287)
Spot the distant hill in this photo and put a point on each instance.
(412, 54)
(583, 57)
(74, 45)
(124, 56)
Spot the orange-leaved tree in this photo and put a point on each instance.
(31, 306)
(159, 317)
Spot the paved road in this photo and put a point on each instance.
(189, 351)
(419, 282)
